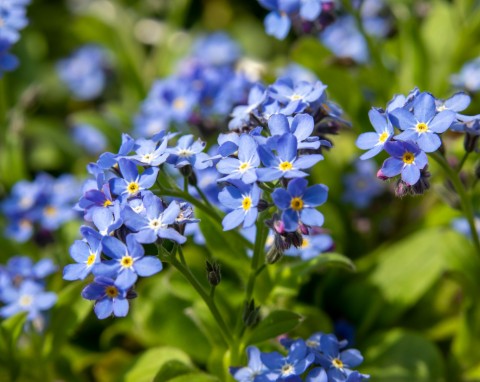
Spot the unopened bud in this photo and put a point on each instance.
(262, 205)
(214, 275)
(274, 255)
(251, 314)
(186, 171)
(381, 176)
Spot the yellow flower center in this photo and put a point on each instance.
(244, 166)
(91, 259)
(184, 153)
(25, 301)
(147, 158)
(111, 291)
(421, 127)
(408, 158)
(127, 261)
(305, 244)
(50, 211)
(285, 166)
(133, 188)
(179, 103)
(337, 363)
(107, 203)
(287, 369)
(296, 97)
(246, 203)
(155, 224)
(383, 137)
(296, 204)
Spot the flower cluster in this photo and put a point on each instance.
(260, 165)
(40, 207)
(22, 288)
(85, 72)
(321, 358)
(13, 16)
(421, 118)
(362, 185)
(202, 92)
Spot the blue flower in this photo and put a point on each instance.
(294, 364)
(423, 125)
(89, 138)
(362, 185)
(469, 76)
(132, 183)
(243, 201)
(109, 297)
(297, 203)
(373, 142)
(107, 220)
(189, 153)
(8, 61)
(29, 297)
(22, 267)
(84, 72)
(338, 364)
(85, 253)
(301, 126)
(458, 102)
(155, 223)
(241, 114)
(406, 159)
(127, 262)
(277, 22)
(254, 372)
(149, 152)
(13, 18)
(286, 164)
(216, 49)
(244, 167)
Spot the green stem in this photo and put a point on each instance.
(462, 194)
(187, 273)
(202, 195)
(462, 162)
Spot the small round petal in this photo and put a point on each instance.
(120, 307)
(316, 195)
(103, 308)
(410, 174)
(277, 25)
(233, 219)
(172, 234)
(366, 141)
(392, 167)
(79, 251)
(126, 279)
(317, 375)
(148, 266)
(442, 121)
(290, 219)
(429, 142)
(281, 198)
(424, 107)
(308, 161)
(311, 217)
(296, 187)
(75, 272)
(351, 358)
(113, 247)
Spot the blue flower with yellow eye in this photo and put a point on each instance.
(298, 203)
(132, 183)
(287, 163)
(243, 201)
(109, 297)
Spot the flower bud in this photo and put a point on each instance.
(274, 255)
(251, 314)
(214, 275)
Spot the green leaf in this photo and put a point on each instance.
(197, 377)
(149, 364)
(170, 370)
(10, 331)
(292, 275)
(276, 323)
(400, 356)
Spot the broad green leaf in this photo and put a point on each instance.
(400, 356)
(195, 377)
(147, 366)
(276, 323)
(292, 275)
(172, 369)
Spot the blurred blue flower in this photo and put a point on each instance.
(84, 72)
(13, 16)
(216, 49)
(362, 185)
(89, 138)
(469, 76)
